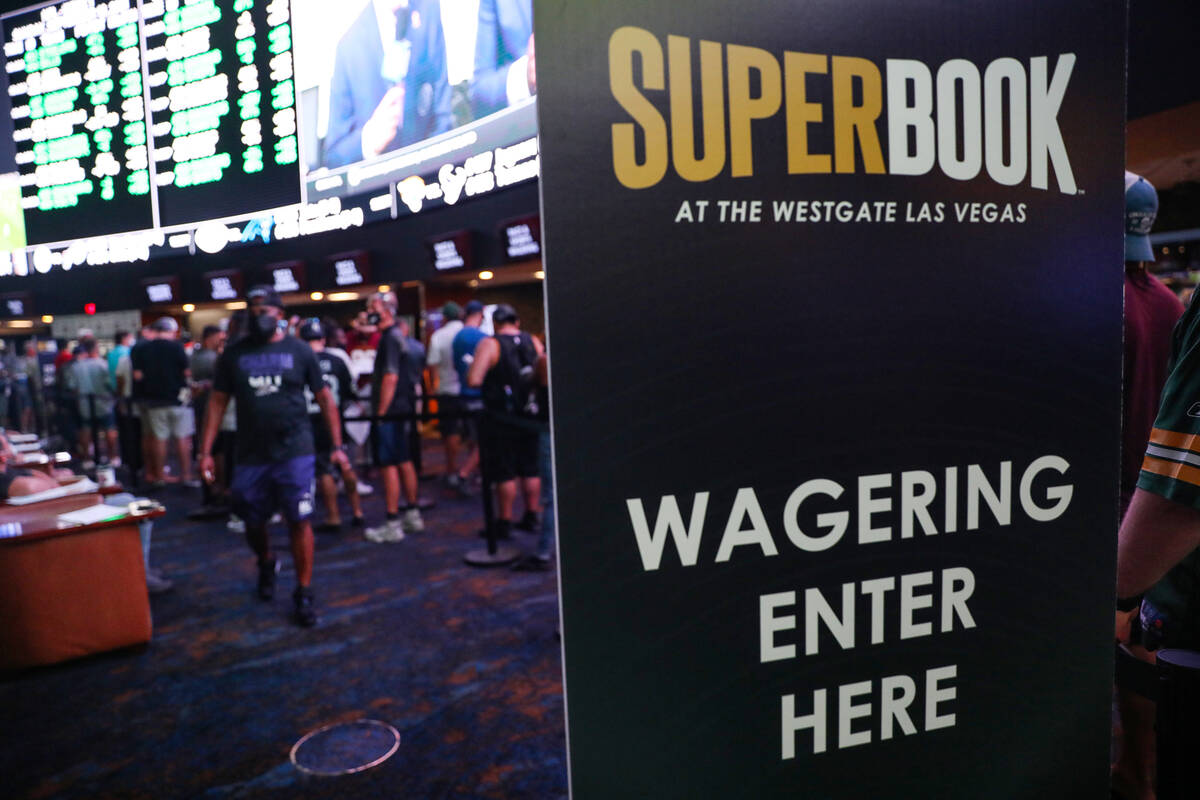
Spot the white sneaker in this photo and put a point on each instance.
(412, 521)
(235, 525)
(389, 531)
(364, 489)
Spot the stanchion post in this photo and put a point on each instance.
(1177, 724)
(497, 554)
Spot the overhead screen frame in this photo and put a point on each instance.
(447, 167)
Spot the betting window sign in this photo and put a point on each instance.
(161, 291)
(522, 238)
(452, 251)
(224, 286)
(15, 305)
(350, 269)
(286, 277)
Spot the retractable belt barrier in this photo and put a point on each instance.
(496, 554)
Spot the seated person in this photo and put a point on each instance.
(17, 482)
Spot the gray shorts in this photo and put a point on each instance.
(168, 422)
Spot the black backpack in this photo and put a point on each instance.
(511, 385)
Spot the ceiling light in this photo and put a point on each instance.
(236, 305)
(486, 275)
(540, 275)
(188, 308)
(317, 295)
(340, 297)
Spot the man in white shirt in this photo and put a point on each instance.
(441, 358)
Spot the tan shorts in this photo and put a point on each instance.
(168, 422)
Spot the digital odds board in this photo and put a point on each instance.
(127, 121)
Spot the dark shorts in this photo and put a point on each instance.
(452, 424)
(391, 443)
(259, 490)
(508, 452)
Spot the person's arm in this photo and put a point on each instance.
(391, 360)
(32, 484)
(217, 403)
(1155, 535)
(487, 353)
(334, 420)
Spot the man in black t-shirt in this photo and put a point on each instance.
(267, 372)
(392, 392)
(505, 367)
(337, 378)
(161, 368)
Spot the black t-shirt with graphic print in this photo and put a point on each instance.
(268, 383)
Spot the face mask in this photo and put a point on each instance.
(264, 327)
(373, 318)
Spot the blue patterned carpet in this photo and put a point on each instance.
(463, 662)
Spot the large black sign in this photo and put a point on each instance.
(844, 527)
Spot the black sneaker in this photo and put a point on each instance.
(267, 570)
(532, 564)
(529, 522)
(305, 612)
(358, 522)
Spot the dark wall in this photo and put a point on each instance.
(398, 253)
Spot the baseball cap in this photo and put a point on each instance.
(451, 311)
(473, 307)
(266, 294)
(165, 325)
(504, 313)
(1141, 207)
(311, 330)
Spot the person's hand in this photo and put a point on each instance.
(205, 466)
(338, 457)
(531, 68)
(384, 124)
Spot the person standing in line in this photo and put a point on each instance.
(441, 358)
(89, 375)
(471, 403)
(504, 367)
(1151, 312)
(161, 365)
(337, 377)
(268, 372)
(389, 395)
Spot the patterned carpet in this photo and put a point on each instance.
(465, 663)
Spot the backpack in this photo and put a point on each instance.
(511, 385)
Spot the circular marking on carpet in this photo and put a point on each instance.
(346, 748)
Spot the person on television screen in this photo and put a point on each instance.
(389, 86)
(504, 56)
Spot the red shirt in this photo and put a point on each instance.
(1151, 311)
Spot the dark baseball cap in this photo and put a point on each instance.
(473, 307)
(311, 329)
(504, 314)
(452, 311)
(1141, 207)
(265, 295)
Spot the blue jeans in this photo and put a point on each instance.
(546, 468)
